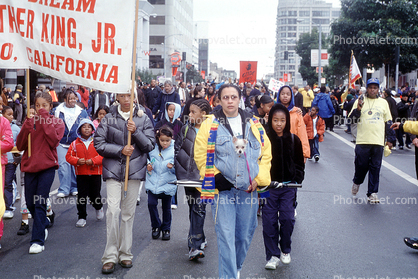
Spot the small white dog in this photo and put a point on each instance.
(240, 145)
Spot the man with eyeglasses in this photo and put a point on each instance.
(231, 178)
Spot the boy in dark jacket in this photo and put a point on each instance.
(111, 142)
(186, 168)
(287, 166)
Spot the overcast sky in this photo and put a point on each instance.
(241, 30)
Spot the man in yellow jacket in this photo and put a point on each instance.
(308, 97)
(231, 177)
(412, 128)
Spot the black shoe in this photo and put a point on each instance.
(408, 146)
(166, 235)
(411, 242)
(51, 219)
(24, 229)
(316, 158)
(401, 147)
(156, 233)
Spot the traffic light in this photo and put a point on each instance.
(397, 53)
(184, 56)
(286, 55)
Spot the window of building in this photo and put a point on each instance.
(156, 40)
(291, 28)
(292, 34)
(158, 20)
(157, 2)
(304, 13)
(292, 13)
(290, 47)
(282, 28)
(282, 67)
(156, 62)
(291, 67)
(291, 61)
(291, 21)
(320, 20)
(320, 13)
(283, 21)
(282, 13)
(283, 35)
(304, 29)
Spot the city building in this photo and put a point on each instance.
(295, 17)
(170, 31)
(145, 10)
(202, 35)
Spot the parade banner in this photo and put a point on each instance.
(87, 42)
(248, 71)
(275, 85)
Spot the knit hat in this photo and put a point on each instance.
(349, 97)
(19, 86)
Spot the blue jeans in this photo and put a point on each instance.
(235, 215)
(66, 173)
(153, 211)
(37, 187)
(368, 159)
(10, 175)
(197, 214)
(314, 144)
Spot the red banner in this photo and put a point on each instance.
(202, 73)
(248, 71)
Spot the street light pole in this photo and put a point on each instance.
(319, 55)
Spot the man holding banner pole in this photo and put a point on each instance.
(111, 142)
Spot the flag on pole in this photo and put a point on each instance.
(354, 73)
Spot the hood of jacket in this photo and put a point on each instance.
(292, 101)
(177, 111)
(274, 109)
(82, 122)
(171, 92)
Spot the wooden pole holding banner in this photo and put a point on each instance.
(27, 88)
(132, 94)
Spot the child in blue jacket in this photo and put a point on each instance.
(160, 171)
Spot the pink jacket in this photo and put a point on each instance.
(7, 142)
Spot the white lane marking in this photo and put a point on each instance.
(390, 167)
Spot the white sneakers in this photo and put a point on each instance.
(61, 195)
(273, 263)
(8, 214)
(99, 214)
(36, 248)
(373, 198)
(80, 223)
(285, 258)
(354, 189)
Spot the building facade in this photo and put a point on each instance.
(170, 31)
(295, 17)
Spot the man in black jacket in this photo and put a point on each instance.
(151, 94)
(298, 97)
(403, 114)
(393, 110)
